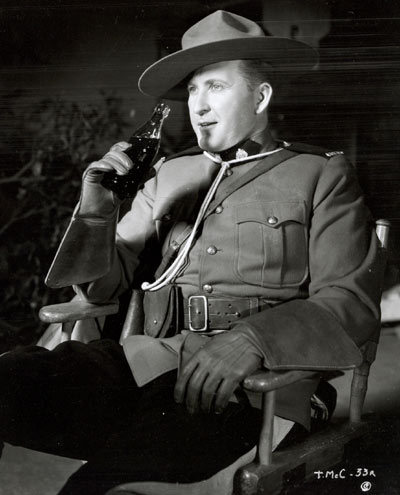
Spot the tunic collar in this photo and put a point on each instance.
(241, 150)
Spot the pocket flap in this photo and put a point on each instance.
(272, 213)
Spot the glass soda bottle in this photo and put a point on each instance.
(145, 145)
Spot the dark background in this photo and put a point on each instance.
(68, 90)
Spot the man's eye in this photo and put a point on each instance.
(216, 86)
(191, 89)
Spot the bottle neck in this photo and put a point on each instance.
(152, 128)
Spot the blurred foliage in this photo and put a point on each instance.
(45, 146)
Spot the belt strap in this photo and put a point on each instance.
(205, 314)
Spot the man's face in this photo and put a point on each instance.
(222, 108)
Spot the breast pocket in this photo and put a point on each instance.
(271, 243)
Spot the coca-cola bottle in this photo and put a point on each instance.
(145, 144)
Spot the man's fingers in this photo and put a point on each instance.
(115, 164)
(112, 161)
(120, 159)
(181, 382)
(212, 374)
(121, 146)
(224, 393)
(194, 390)
(209, 393)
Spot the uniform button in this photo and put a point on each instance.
(272, 220)
(219, 209)
(207, 288)
(228, 172)
(212, 250)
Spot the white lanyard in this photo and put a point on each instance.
(173, 270)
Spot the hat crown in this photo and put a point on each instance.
(219, 37)
(219, 26)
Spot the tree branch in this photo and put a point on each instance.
(17, 218)
(17, 176)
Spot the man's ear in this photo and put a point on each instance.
(264, 95)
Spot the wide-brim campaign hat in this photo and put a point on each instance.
(218, 37)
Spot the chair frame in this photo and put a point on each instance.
(269, 472)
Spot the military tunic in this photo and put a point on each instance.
(297, 236)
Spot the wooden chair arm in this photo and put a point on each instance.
(265, 381)
(76, 310)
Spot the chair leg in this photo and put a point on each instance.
(66, 330)
(267, 429)
(359, 386)
(247, 478)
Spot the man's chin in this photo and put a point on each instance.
(213, 147)
(210, 149)
(206, 145)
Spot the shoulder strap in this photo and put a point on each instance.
(260, 168)
(312, 150)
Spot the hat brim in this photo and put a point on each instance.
(164, 78)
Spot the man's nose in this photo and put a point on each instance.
(201, 105)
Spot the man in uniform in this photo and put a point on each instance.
(276, 269)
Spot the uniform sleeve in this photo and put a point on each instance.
(325, 330)
(97, 256)
(134, 234)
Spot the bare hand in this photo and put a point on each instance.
(214, 372)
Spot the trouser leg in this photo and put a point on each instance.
(66, 401)
(165, 443)
(81, 401)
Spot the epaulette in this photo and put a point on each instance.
(194, 150)
(312, 150)
(296, 147)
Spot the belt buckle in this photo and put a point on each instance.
(205, 313)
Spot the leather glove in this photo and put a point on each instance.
(96, 200)
(214, 372)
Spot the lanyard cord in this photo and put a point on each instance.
(175, 267)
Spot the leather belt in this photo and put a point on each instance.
(205, 314)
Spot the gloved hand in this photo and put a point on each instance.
(213, 373)
(96, 200)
